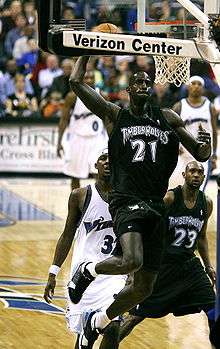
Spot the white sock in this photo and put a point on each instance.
(91, 268)
(100, 320)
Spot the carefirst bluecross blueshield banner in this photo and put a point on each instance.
(29, 149)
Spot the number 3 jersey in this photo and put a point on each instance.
(95, 241)
(184, 226)
(143, 153)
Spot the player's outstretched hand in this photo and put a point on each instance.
(49, 289)
(203, 136)
(210, 271)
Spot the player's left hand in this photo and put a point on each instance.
(203, 136)
(210, 271)
(49, 289)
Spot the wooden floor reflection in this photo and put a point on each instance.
(26, 250)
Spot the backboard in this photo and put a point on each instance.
(59, 31)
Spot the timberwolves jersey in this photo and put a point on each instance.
(194, 116)
(185, 225)
(143, 153)
(83, 122)
(94, 239)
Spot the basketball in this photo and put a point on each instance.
(106, 28)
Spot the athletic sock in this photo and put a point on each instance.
(91, 268)
(100, 320)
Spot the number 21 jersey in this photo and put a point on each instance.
(143, 153)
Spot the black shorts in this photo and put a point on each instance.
(147, 218)
(179, 289)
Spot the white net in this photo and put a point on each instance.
(170, 69)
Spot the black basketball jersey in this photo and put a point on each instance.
(143, 153)
(184, 226)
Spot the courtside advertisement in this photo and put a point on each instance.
(29, 149)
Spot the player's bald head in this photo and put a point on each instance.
(194, 164)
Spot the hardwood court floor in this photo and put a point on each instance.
(26, 250)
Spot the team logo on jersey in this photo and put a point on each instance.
(129, 132)
(97, 225)
(82, 116)
(186, 220)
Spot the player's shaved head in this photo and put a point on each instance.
(137, 75)
(194, 164)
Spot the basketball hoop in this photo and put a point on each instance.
(175, 70)
(172, 69)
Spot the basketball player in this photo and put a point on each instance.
(196, 110)
(89, 223)
(143, 152)
(85, 136)
(182, 286)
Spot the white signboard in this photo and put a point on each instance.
(29, 149)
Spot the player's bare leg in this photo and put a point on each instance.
(129, 322)
(111, 336)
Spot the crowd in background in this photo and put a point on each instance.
(35, 83)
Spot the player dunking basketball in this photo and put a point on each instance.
(143, 151)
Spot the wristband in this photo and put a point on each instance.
(54, 269)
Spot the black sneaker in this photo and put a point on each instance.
(89, 335)
(79, 283)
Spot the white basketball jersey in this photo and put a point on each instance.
(94, 240)
(194, 116)
(83, 122)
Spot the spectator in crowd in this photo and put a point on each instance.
(21, 103)
(165, 11)
(61, 83)
(122, 66)
(46, 76)
(145, 63)
(68, 14)
(41, 64)
(52, 106)
(14, 34)
(30, 12)
(99, 82)
(163, 95)
(21, 45)
(28, 60)
(105, 66)
(7, 82)
(7, 18)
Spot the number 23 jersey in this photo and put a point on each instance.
(184, 226)
(143, 153)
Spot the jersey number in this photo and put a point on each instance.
(108, 244)
(140, 146)
(180, 235)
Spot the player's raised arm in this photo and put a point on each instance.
(65, 241)
(107, 111)
(200, 148)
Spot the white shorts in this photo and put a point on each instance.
(81, 153)
(98, 296)
(177, 177)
